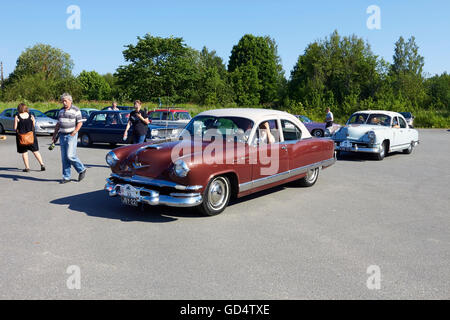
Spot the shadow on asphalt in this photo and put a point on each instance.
(24, 177)
(362, 157)
(99, 204)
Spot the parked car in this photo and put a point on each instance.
(377, 132)
(187, 173)
(409, 118)
(52, 113)
(318, 129)
(105, 127)
(86, 112)
(121, 108)
(44, 124)
(167, 123)
(109, 126)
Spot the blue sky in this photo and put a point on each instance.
(106, 26)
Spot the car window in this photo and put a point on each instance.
(261, 132)
(166, 115)
(99, 118)
(8, 113)
(181, 116)
(111, 119)
(290, 131)
(358, 118)
(395, 123)
(202, 125)
(379, 119)
(155, 115)
(402, 123)
(304, 119)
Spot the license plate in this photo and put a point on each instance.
(129, 202)
(346, 144)
(129, 195)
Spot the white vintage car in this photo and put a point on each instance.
(376, 131)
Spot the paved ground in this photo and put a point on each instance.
(287, 243)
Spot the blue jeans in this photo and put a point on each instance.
(69, 157)
(138, 139)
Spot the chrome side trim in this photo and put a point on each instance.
(155, 182)
(284, 175)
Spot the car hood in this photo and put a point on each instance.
(356, 131)
(46, 119)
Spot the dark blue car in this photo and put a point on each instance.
(108, 127)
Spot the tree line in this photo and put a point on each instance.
(340, 72)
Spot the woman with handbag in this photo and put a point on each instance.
(26, 139)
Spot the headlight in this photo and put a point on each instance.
(111, 159)
(154, 133)
(371, 136)
(180, 168)
(175, 132)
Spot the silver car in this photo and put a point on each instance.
(44, 124)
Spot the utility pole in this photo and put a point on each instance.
(1, 77)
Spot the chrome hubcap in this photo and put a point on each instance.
(311, 174)
(85, 139)
(218, 193)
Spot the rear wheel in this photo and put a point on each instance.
(216, 196)
(310, 179)
(317, 133)
(85, 140)
(410, 148)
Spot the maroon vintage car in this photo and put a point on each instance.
(220, 154)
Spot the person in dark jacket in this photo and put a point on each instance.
(24, 122)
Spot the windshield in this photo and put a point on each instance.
(202, 126)
(372, 119)
(37, 113)
(304, 119)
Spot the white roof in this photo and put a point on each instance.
(388, 113)
(257, 115)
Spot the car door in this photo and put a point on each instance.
(8, 119)
(398, 133)
(404, 133)
(114, 128)
(301, 152)
(270, 160)
(97, 127)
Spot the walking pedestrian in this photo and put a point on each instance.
(26, 140)
(69, 123)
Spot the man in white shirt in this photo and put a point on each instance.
(329, 118)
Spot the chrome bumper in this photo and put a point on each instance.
(154, 198)
(355, 148)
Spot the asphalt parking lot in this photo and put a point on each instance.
(286, 243)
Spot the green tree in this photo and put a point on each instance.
(213, 86)
(52, 63)
(407, 71)
(94, 86)
(246, 85)
(158, 67)
(42, 73)
(438, 90)
(258, 53)
(336, 72)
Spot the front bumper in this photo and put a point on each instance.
(154, 197)
(356, 148)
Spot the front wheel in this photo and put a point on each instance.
(216, 196)
(383, 150)
(2, 130)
